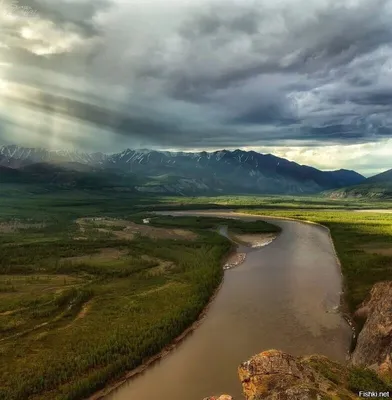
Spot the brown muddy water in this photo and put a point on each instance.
(283, 296)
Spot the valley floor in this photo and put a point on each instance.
(84, 299)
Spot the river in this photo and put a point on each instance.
(283, 296)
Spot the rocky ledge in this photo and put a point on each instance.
(374, 345)
(275, 375)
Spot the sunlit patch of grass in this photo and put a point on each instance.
(353, 379)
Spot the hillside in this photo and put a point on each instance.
(68, 176)
(177, 172)
(375, 187)
(384, 177)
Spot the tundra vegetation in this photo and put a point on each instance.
(83, 299)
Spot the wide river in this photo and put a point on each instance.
(283, 296)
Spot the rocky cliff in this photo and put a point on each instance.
(374, 345)
(275, 375)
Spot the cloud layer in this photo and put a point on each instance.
(105, 74)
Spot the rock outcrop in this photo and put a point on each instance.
(277, 375)
(374, 345)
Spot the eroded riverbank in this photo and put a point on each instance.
(279, 298)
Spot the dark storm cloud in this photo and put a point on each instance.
(206, 73)
(377, 98)
(334, 37)
(217, 18)
(271, 114)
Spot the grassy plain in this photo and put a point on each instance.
(272, 202)
(191, 222)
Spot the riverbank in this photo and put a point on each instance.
(343, 307)
(251, 241)
(234, 260)
(359, 240)
(154, 359)
(254, 240)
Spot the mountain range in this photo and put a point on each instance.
(155, 171)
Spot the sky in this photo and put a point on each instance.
(308, 80)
